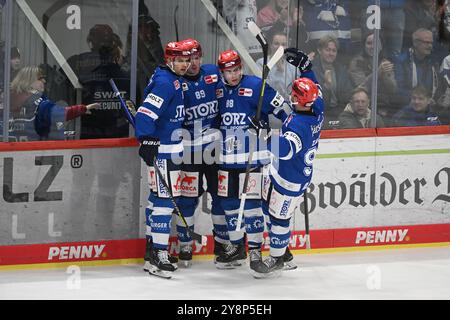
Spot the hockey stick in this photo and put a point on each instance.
(256, 31)
(122, 103)
(308, 242)
(175, 22)
(195, 236)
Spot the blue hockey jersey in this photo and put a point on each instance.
(39, 119)
(236, 105)
(201, 106)
(162, 112)
(294, 149)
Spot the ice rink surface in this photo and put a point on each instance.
(407, 273)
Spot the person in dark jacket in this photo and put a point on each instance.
(358, 114)
(361, 73)
(416, 67)
(334, 78)
(33, 115)
(419, 112)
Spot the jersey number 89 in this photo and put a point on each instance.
(200, 94)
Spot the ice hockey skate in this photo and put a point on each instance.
(148, 248)
(185, 256)
(233, 257)
(255, 257)
(271, 267)
(160, 265)
(220, 249)
(288, 259)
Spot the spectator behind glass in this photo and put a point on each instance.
(334, 79)
(150, 51)
(361, 74)
(33, 116)
(94, 69)
(418, 112)
(282, 74)
(416, 67)
(329, 17)
(419, 14)
(392, 24)
(443, 103)
(283, 14)
(237, 14)
(358, 114)
(15, 62)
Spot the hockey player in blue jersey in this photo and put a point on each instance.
(291, 168)
(199, 161)
(158, 122)
(238, 100)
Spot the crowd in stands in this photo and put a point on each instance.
(413, 57)
(413, 72)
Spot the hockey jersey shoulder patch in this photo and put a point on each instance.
(294, 139)
(277, 101)
(154, 100)
(246, 92)
(176, 84)
(211, 78)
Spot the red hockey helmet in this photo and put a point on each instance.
(305, 90)
(194, 46)
(229, 59)
(176, 49)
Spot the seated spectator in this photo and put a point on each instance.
(419, 14)
(292, 22)
(33, 116)
(416, 67)
(358, 114)
(15, 61)
(444, 20)
(426, 14)
(392, 24)
(329, 17)
(419, 112)
(334, 79)
(237, 14)
(361, 74)
(282, 74)
(443, 103)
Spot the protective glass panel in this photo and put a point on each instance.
(68, 52)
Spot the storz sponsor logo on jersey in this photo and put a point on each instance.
(202, 110)
(246, 92)
(211, 78)
(231, 118)
(180, 112)
(153, 99)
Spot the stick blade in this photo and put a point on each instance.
(254, 29)
(276, 57)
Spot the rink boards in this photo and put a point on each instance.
(84, 200)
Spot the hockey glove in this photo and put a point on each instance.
(298, 59)
(259, 128)
(149, 149)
